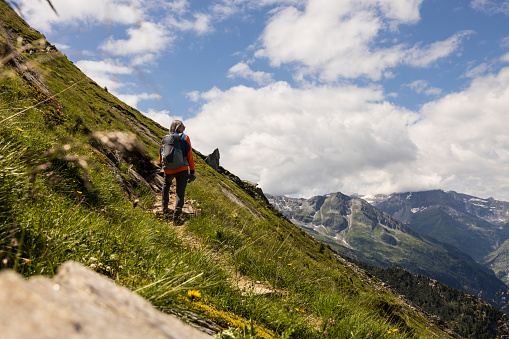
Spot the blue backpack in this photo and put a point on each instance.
(172, 153)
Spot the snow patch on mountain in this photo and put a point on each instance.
(419, 209)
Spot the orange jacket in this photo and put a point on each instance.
(188, 154)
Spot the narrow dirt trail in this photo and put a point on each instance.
(245, 284)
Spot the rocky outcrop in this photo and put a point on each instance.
(249, 187)
(80, 303)
(213, 159)
(13, 58)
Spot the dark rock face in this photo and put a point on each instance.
(80, 303)
(213, 159)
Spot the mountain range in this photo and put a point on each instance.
(442, 235)
(477, 227)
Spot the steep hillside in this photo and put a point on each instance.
(441, 300)
(355, 228)
(79, 183)
(498, 261)
(475, 226)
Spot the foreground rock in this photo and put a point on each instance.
(79, 303)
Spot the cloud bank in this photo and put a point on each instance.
(338, 39)
(293, 140)
(345, 138)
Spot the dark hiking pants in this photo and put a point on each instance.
(181, 183)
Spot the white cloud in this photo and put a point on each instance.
(74, 12)
(61, 47)
(223, 9)
(103, 66)
(349, 139)
(433, 91)
(422, 86)
(132, 99)
(337, 39)
(491, 6)
(201, 23)
(490, 66)
(143, 60)
(402, 11)
(108, 82)
(104, 72)
(179, 7)
(194, 96)
(147, 38)
(504, 42)
(243, 70)
(462, 138)
(477, 71)
(303, 141)
(164, 118)
(423, 57)
(418, 85)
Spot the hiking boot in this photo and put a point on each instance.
(166, 210)
(177, 219)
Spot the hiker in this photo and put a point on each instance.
(182, 174)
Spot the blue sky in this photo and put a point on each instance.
(311, 97)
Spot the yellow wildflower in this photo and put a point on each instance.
(193, 294)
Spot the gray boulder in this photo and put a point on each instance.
(80, 303)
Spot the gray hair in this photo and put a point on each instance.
(175, 126)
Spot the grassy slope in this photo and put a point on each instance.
(69, 211)
(465, 314)
(497, 261)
